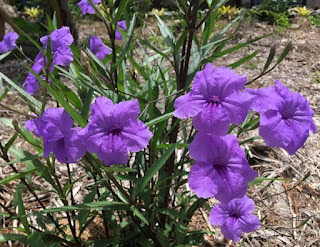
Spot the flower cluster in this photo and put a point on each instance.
(60, 41)
(113, 131)
(9, 42)
(221, 170)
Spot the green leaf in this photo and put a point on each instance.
(28, 36)
(272, 53)
(17, 176)
(11, 237)
(120, 9)
(21, 209)
(239, 46)
(138, 214)
(174, 214)
(284, 53)
(259, 180)
(59, 97)
(83, 214)
(102, 205)
(304, 222)
(86, 104)
(159, 119)
(249, 140)
(41, 170)
(31, 157)
(21, 91)
(152, 171)
(166, 33)
(4, 55)
(127, 43)
(243, 60)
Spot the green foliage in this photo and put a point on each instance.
(271, 11)
(315, 20)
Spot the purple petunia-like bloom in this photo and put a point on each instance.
(60, 41)
(86, 8)
(9, 42)
(215, 100)
(31, 83)
(99, 48)
(235, 217)
(121, 26)
(55, 128)
(221, 169)
(114, 130)
(286, 117)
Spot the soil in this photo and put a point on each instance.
(289, 207)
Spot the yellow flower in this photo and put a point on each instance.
(228, 11)
(33, 12)
(103, 10)
(303, 11)
(158, 12)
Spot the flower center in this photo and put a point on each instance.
(214, 100)
(218, 166)
(115, 131)
(235, 215)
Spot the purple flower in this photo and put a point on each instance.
(60, 40)
(86, 8)
(221, 169)
(31, 83)
(235, 217)
(99, 48)
(286, 117)
(30, 125)
(121, 26)
(215, 100)
(9, 42)
(55, 128)
(114, 130)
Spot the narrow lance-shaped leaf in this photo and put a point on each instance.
(152, 171)
(272, 53)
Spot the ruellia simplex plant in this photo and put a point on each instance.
(126, 127)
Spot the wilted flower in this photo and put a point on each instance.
(98, 48)
(215, 100)
(235, 217)
(55, 128)
(221, 169)
(86, 8)
(114, 130)
(286, 117)
(9, 42)
(121, 26)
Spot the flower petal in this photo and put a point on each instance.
(212, 119)
(202, 179)
(188, 105)
(136, 135)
